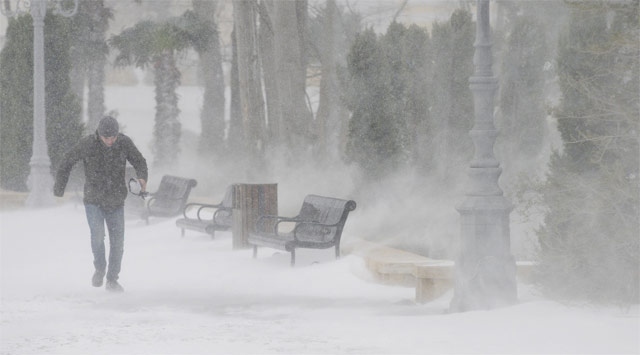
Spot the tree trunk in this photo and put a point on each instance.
(267, 51)
(331, 116)
(289, 23)
(251, 100)
(77, 78)
(167, 127)
(235, 139)
(96, 65)
(95, 100)
(212, 116)
(89, 58)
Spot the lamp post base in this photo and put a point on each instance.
(485, 268)
(40, 184)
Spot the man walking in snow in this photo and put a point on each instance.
(104, 154)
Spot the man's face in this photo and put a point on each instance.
(108, 141)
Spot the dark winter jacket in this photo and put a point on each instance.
(104, 169)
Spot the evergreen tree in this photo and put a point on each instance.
(521, 118)
(416, 96)
(393, 75)
(371, 138)
(452, 107)
(387, 94)
(62, 108)
(16, 95)
(590, 248)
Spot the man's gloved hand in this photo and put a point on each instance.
(143, 185)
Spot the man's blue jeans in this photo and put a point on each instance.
(114, 218)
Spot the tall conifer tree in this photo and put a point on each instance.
(590, 248)
(521, 118)
(62, 107)
(452, 109)
(388, 95)
(16, 95)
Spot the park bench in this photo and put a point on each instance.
(170, 198)
(208, 218)
(318, 225)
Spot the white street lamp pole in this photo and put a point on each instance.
(40, 181)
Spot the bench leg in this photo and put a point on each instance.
(255, 251)
(293, 257)
(182, 232)
(337, 252)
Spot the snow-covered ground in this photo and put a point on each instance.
(195, 295)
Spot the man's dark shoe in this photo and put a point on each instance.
(114, 286)
(97, 279)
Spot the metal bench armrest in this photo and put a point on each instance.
(279, 219)
(303, 222)
(202, 207)
(219, 210)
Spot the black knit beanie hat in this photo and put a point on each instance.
(108, 127)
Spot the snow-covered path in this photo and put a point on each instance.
(194, 295)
